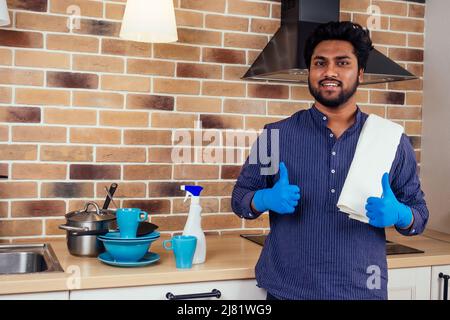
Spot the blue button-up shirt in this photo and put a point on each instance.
(319, 252)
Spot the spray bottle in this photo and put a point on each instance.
(193, 225)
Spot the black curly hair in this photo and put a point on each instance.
(344, 30)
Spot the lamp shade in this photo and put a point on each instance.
(149, 21)
(4, 15)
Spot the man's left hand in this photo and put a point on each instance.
(387, 210)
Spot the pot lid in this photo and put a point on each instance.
(87, 215)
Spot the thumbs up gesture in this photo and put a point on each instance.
(387, 210)
(281, 198)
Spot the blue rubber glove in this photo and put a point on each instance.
(387, 210)
(281, 198)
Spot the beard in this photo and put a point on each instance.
(343, 96)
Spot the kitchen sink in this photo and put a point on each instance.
(28, 258)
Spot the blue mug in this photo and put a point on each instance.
(128, 220)
(183, 248)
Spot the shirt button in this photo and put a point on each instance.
(331, 135)
(333, 191)
(324, 118)
(333, 153)
(333, 171)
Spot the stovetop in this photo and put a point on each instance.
(391, 247)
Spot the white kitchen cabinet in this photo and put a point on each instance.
(437, 284)
(409, 283)
(57, 295)
(230, 290)
(404, 284)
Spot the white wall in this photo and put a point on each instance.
(435, 159)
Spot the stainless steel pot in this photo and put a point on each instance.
(84, 226)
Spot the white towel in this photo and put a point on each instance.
(374, 154)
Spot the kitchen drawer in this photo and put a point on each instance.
(230, 290)
(409, 283)
(60, 295)
(437, 284)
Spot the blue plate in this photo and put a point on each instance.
(148, 259)
(116, 236)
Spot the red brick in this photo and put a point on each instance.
(199, 37)
(20, 114)
(268, 91)
(12, 38)
(215, 6)
(223, 55)
(17, 228)
(40, 208)
(18, 152)
(147, 172)
(41, 171)
(11, 190)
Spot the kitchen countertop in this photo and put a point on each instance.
(229, 257)
(437, 235)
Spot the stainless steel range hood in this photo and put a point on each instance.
(282, 58)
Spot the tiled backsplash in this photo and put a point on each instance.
(81, 109)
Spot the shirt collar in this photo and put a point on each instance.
(322, 120)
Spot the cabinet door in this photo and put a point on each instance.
(409, 283)
(437, 284)
(60, 295)
(230, 290)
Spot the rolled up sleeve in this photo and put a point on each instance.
(405, 184)
(249, 181)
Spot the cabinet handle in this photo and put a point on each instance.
(445, 277)
(214, 293)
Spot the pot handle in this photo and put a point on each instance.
(93, 232)
(73, 229)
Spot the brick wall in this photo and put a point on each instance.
(82, 109)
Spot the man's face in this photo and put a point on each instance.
(334, 76)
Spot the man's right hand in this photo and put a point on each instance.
(281, 198)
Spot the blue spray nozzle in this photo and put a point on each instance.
(192, 190)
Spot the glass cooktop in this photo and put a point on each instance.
(391, 247)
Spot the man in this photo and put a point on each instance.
(313, 250)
